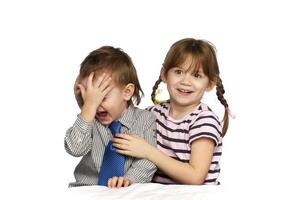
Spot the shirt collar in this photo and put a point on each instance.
(128, 117)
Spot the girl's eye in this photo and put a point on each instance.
(197, 75)
(178, 71)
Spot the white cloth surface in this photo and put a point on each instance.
(146, 191)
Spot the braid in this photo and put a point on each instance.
(220, 95)
(155, 87)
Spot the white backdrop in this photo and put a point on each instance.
(42, 44)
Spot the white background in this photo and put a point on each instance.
(42, 44)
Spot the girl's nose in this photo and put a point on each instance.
(186, 79)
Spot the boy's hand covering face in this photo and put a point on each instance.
(91, 92)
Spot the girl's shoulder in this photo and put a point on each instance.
(204, 112)
(205, 123)
(204, 109)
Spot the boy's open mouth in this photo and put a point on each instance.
(102, 114)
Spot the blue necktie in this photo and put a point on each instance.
(112, 162)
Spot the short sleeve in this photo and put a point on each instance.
(206, 125)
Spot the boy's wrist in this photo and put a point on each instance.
(88, 113)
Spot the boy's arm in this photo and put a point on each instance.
(142, 170)
(78, 138)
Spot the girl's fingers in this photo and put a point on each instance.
(119, 140)
(123, 136)
(119, 146)
(124, 152)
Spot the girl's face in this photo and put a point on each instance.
(185, 86)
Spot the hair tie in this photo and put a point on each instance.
(158, 100)
(230, 113)
(160, 95)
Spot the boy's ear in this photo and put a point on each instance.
(162, 75)
(128, 91)
(211, 85)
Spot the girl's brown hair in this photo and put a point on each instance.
(116, 62)
(203, 53)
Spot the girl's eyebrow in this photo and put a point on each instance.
(200, 70)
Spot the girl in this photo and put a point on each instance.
(189, 134)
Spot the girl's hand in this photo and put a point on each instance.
(132, 145)
(93, 94)
(118, 182)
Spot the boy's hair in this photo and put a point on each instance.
(203, 55)
(116, 62)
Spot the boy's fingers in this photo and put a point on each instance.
(120, 182)
(105, 81)
(99, 80)
(107, 89)
(90, 80)
(126, 183)
(114, 181)
(109, 183)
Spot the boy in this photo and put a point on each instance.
(107, 86)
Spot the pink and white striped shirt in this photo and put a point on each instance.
(174, 137)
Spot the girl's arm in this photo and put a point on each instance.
(193, 173)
